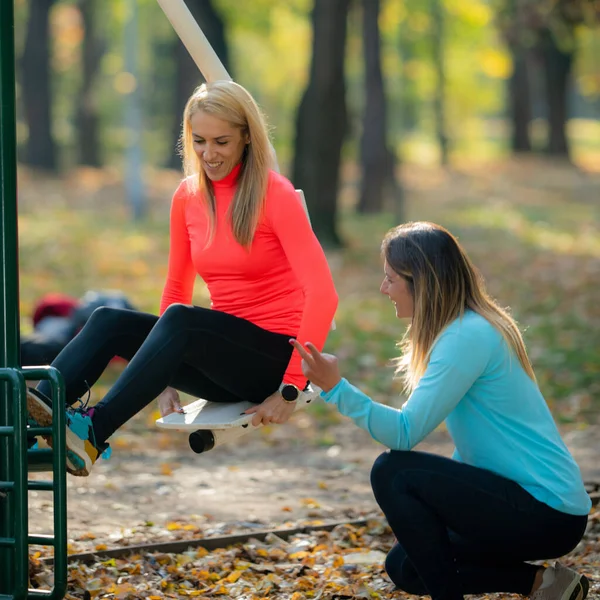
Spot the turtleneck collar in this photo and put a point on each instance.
(230, 180)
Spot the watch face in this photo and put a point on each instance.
(289, 393)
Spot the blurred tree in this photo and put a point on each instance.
(133, 119)
(321, 120)
(519, 91)
(40, 148)
(548, 30)
(409, 96)
(188, 77)
(439, 99)
(558, 63)
(89, 150)
(377, 161)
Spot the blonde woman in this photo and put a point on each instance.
(511, 493)
(241, 227)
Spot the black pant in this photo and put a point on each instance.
(202, 352)
(464, 530)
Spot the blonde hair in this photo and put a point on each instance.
(230, 102)
(444, 283)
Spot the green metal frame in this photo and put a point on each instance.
(15, 459)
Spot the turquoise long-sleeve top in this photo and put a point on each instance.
(494, 412)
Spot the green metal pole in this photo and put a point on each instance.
(9, 282)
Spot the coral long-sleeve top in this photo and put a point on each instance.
(282, 283)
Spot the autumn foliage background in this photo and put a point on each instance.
(529, 219)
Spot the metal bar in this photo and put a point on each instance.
(40, 486)
(40, 459)
(18, 494)
(33, 431)
(42, 540)
(194, 40)
(59, 479)
(9, 283)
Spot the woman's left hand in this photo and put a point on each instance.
(273, 410)
(319, 368)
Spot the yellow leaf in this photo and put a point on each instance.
(166, 469)
(100, 547)
(338, 561)
(233, 576)
(173, 526)
(310, 503)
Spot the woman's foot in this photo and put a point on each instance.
(561, 583)
(82, 449)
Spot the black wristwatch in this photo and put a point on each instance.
(289, 392)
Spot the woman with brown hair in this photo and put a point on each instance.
(511, 493)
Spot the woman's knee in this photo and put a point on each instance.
(178, 316)
(106, 318)
(387, 470)
(402, 573)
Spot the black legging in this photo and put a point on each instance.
(464, 530)
(202, 352)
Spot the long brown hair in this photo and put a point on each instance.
(444, 283)
(231, 102)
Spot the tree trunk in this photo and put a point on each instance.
(557, 70)
(188, 77)
(439, 99)
(409, 101)
(40, 149)
(376, 159)
(87, 118)
(321, 121)
(520, 100)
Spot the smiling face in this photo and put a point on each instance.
(397, 289)
(218, 145)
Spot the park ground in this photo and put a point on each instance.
(532, 227)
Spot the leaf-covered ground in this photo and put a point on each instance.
(531, 226)
(346, 562)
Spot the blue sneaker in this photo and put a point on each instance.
(82, 449)
(32, 442)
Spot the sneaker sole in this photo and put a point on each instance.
(585, 586)
(42, 414)
(579, 591)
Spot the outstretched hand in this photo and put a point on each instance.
(319, 368)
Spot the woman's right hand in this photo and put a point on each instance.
(168, 402)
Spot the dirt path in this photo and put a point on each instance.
(154, 486)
